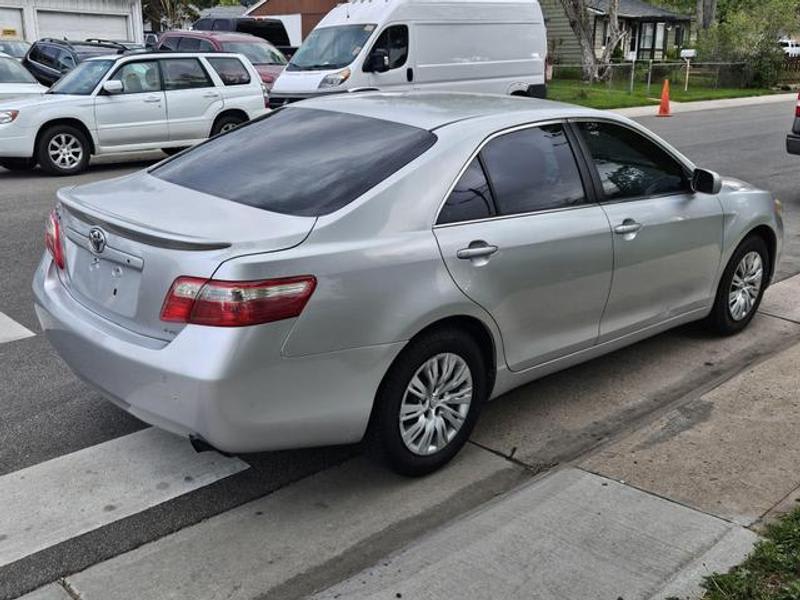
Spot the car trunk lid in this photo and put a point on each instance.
(127, 240)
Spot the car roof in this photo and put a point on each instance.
(431, 110)
(158, 54)
(222, 36)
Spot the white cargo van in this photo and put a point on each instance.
(490, 46)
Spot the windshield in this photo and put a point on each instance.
(330, 48)
(256, 53)
(15, 49)
(13, 72)
(82, 79)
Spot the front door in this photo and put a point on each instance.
(393, 43)
(667, 239)
(139, 114)
(521, 239)
(192, 99)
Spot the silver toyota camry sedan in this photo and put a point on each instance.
(379, 265)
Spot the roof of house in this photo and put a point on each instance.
(638, 9)
(223, 11)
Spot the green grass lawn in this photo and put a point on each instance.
(602, 96)
(771, 572)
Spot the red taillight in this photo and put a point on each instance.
(236, 303)
(797, 110)
(52, 239)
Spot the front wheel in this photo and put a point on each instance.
(428, 402)
(741, 287)
(63, 150)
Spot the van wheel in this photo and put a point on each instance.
(428, 402)
(741, 287)
(63, 150)
(17, 164)
(173, 151)
(226, 123)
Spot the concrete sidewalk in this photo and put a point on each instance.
(684, 107)
(646, 516)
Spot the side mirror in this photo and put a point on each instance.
(113, 86)
(706, 182)
(378, 61)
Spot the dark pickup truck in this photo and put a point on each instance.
(268, 29)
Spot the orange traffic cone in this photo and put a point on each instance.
(663, 108)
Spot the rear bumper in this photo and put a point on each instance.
(228, 386)
(793, 143)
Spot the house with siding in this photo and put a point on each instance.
(654, 33)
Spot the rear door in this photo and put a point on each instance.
(139, 114)
(522, 238)
(667, 239)
(192, 99)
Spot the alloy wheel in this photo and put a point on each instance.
(746, 286)
(435, 404)
(65, 151)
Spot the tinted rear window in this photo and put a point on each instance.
(298, 161)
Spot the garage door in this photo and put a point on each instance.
(79, 26)
(11, 22)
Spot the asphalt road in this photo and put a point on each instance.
(45, 412)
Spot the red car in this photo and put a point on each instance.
(266, 58)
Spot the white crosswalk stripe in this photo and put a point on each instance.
(73, 494)
(11, 331)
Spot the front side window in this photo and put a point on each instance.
(139, 77)
(170, 43)
(326, 160)
(630, 165)
(184, 73)
(330, 48)
(533, 169)
(470, 199)
(230, 70)
(14, 48)
(83, 79)
(394, 41)
(257, 53)
(12, 71)
(188, 44)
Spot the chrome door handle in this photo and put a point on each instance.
(153, 99)
(476, 251)
(628, 226)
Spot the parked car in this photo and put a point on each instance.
(790, 47)
(16, 81)
(400, 259)
(271, 30)
(15, 48)
(49, 59)
(266, 58)
(129, 103)
(150, 39)
(793, 137)
(479, 46)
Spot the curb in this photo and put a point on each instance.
(685, 107)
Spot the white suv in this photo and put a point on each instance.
(133, 102)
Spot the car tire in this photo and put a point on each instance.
(17, 164)
(741, 288)
(173, 151)
(399, 441)
(63, 150)
(226, 123)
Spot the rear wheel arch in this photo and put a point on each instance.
(237, 113)
(72, 122)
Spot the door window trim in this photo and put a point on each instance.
(688, 167)
(589, 191)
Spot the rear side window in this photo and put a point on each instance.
(533, 169)
(184, 73)
(630, 165)
(470, 199)
(171, 43)
(326, 160)
(230, 70)
(188, 44)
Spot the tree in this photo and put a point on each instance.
(578, 15)
(168, 14)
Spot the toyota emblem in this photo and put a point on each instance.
(97, 239)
